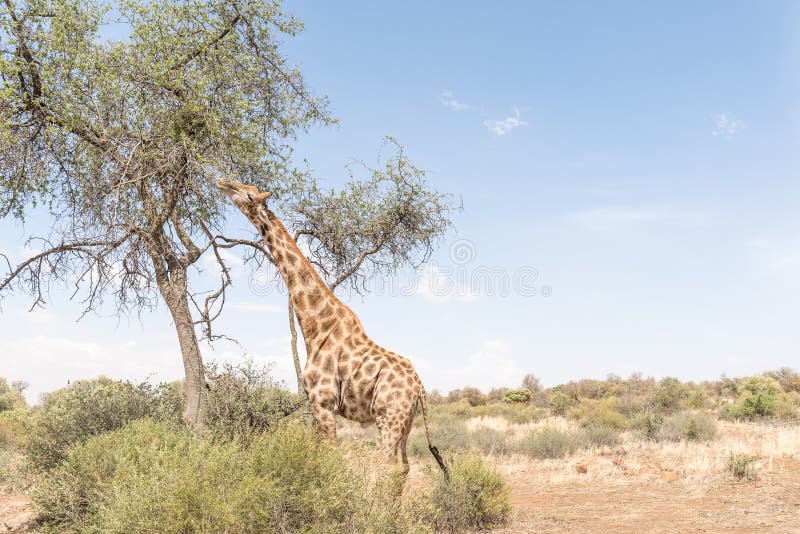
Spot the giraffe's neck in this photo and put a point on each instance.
(316, 306)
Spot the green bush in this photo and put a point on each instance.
(549, 443)
(518, 414)
(669, 394)
(13, 427)
(448, 433)
(476, 497)
(742, 466)
(473, 396)
(244, 400)
(10, 396)
(697, 399)
(603, 412)
(151, 477)
(12, 469)
(560, 403)
(600, 436)
(694, 426)
(517, 396)
(649, 424)
(87, 408)
(490, 441)
(788, 378)
(759, 396)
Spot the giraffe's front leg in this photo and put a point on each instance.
(322, 408)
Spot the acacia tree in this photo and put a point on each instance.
(123, 140)
(371, 227)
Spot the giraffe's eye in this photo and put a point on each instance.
(249, 196)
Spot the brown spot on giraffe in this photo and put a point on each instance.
(388, 389)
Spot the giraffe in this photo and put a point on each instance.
(346, 373)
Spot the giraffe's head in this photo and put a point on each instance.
(246, 197)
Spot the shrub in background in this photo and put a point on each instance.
(788, 378)
(490, 441)
(549, 443)
(87, 408)
(245, 400)
(476, 498)
(600, 436)
(603, 412)
(689, 425)
(517, 396)
(11, 395)
(669, 394)
(516, 413)
(448, 432)
(560, 403)
(473, 396)
(758, 397)
(697, 399)
(13, 427)
(649, 423)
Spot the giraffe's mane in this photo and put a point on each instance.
(274, 219)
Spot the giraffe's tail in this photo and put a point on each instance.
(423, 401)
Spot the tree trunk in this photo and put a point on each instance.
(295, 353)
(174, 293)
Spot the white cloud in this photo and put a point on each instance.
(726, 125)
(449, 100)
(490, 366)
(440, 285)
(49, 362)
(502, 127)
(607, 217)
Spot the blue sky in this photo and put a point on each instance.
(643, 159)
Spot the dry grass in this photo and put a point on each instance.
(634, 457)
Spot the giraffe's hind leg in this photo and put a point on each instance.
(394, 428)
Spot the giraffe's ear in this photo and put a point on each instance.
(261, 197)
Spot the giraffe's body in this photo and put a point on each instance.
(346, 373)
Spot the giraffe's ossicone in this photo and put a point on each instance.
(346, 373)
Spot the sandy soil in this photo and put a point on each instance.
(15, 512)
(657, 504)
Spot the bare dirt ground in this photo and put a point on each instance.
(657, 504)
(15, 512)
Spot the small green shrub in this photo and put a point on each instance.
(518, 414)
(649, 424)
(13, 427)
(490, 441)
(693, 426)
(473, 396)
(476, 497)
(759, 396)
(517, 396)
(12, 468)
(549, 443)
(11, 395)
(87, 408)
(669, 394)
(697, 399)
(603, 412)
(742, 466)
(560, 403)
(448, 433)
(600, 436)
